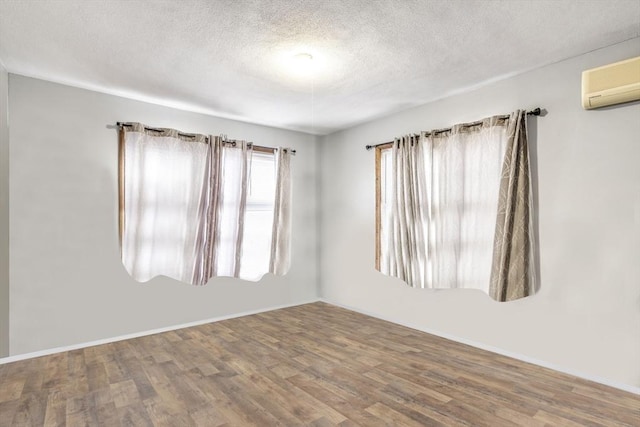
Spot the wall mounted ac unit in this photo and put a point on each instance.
(611, 84)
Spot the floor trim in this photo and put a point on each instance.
(25, 356)
(621, 386)
(50, 351)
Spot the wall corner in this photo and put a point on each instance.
(4, 212)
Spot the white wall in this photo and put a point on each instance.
(586, 317)
(4, 212)
(68, 285)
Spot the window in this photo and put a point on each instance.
(437, 208)
(193, 207)
(258, 222)
(256, 229)
(162, 183)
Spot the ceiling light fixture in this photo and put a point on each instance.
(302, 63)
(303, 57)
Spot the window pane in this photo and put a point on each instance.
(258, 222)
(385, 207)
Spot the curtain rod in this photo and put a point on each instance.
(535, 112)
(226, 141)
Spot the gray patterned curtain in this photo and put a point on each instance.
(512, 267)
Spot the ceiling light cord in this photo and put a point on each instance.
(313, 104)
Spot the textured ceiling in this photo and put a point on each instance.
(230, 58)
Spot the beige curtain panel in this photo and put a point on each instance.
(280, 242)
(456, 210)
(406, 233)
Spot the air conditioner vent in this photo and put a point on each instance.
(611, 84)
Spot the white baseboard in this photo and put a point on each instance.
(621, 386)
(47, 352)
(625, 387)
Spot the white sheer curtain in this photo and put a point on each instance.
(163, 183)
(194, 207)
(463, 186)
(440, 204)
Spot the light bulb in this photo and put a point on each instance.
(302, 63)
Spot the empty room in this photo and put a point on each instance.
(320, 213)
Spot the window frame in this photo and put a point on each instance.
(378, 167)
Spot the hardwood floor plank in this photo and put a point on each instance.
(133, 416)
(606, 396)
(162, 415)
(11, 389)
(31, 409)
(208, 417)
(247, 408)
(101, 403)
(391, 417)
(7, 412)
(124, 393)
(79, 412)
(555, 420)
(55, 370)
(273, 396)
(315, 365)
(350, 408)
(601, 413)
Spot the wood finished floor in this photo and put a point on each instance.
(314, 364)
